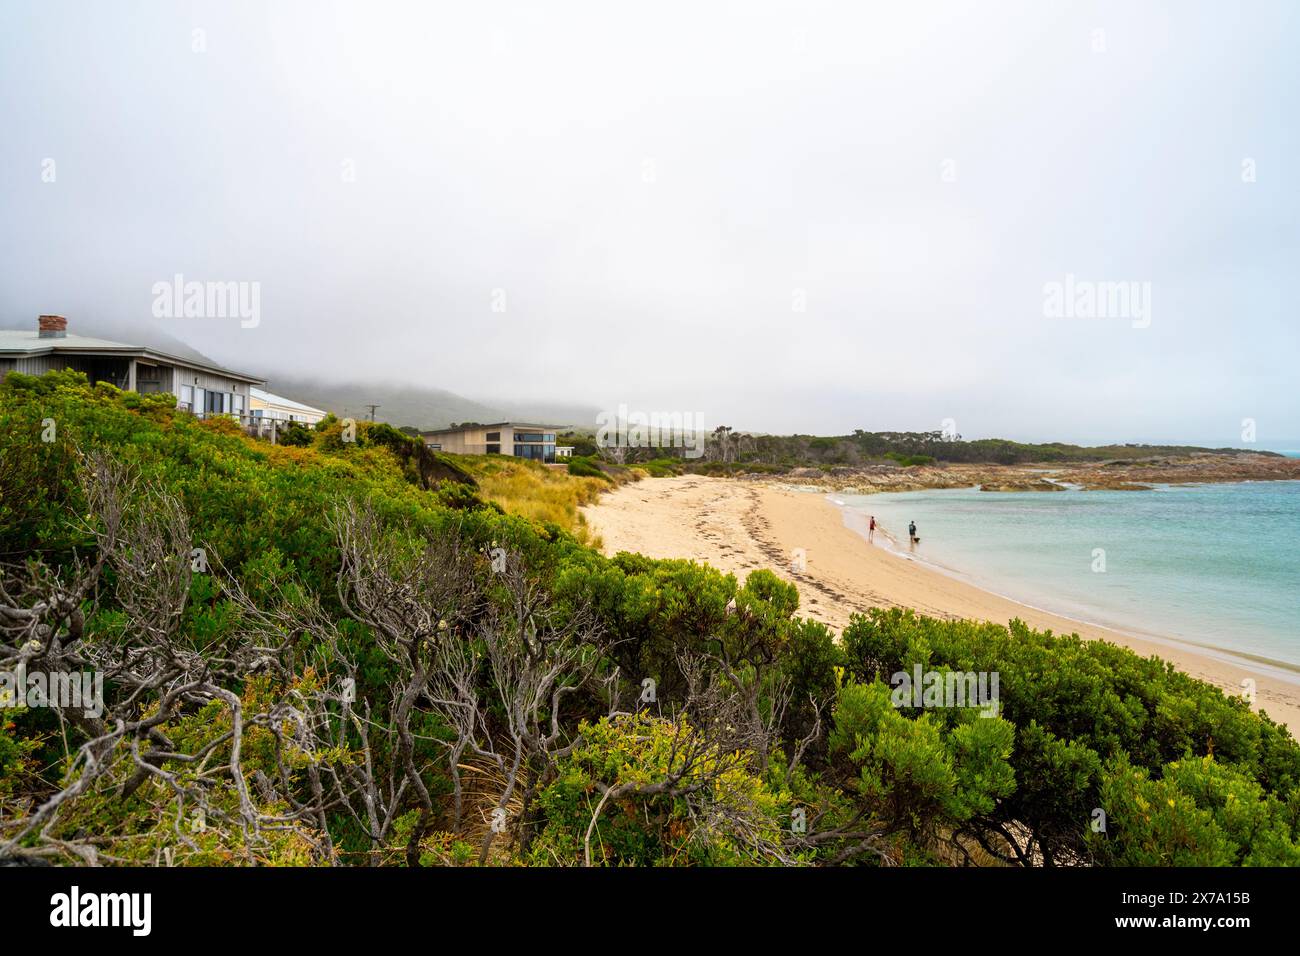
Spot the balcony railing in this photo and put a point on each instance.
(503, 448)
(256, 426)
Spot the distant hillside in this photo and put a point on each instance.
(153, 335)
(729, 450)
(422, 407)
(400, 405)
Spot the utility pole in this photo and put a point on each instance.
(372, 410)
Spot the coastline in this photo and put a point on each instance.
(1287, 670)
(1116, 475)
(740, 526)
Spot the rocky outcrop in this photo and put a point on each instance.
(1118, 475)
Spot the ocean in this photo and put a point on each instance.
(1214, 565)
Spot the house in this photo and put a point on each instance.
(522, 440)
(266, 405)
(199, 386)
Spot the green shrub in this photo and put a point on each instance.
(1182, 773)
(587, 468)
(1079, 707)
(908, 461)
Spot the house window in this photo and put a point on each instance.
(494, 449)
(544, 453)
(493, 436)
(217, 403)
(148, 379)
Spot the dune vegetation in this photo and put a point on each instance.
(349, 652)
(546, 495)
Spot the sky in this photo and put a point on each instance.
(783, 217)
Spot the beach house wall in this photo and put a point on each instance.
(267, 406)
(198, 386)
(519, 439)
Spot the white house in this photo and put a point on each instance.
(199, 387)
(267, 405)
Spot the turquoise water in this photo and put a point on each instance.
(1217, 565)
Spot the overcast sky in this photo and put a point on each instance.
(801, 216)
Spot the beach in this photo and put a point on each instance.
(739, 526)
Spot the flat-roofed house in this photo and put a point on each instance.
(199, 387)
(267, 405)
(520, 439)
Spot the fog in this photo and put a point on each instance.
(812, 217)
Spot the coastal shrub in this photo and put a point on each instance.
(1196, 812)
(530, 489)
(661, 467)
(586, 468)
(294, 435)
(1078, 707)
(809, 667)
(583, 445)
(713, 813)
(724, 447)
(136, 820)
(908, 461)
(777, 714)
(924, 775)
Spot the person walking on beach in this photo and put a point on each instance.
(911, 533)
(871, 529)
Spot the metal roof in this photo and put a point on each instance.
(29, 342)
(465, 428)
(272, 399)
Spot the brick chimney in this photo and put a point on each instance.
(53, 327)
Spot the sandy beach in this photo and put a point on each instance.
(740, 526)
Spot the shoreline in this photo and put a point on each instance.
(740, 526)
(1284, 670)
